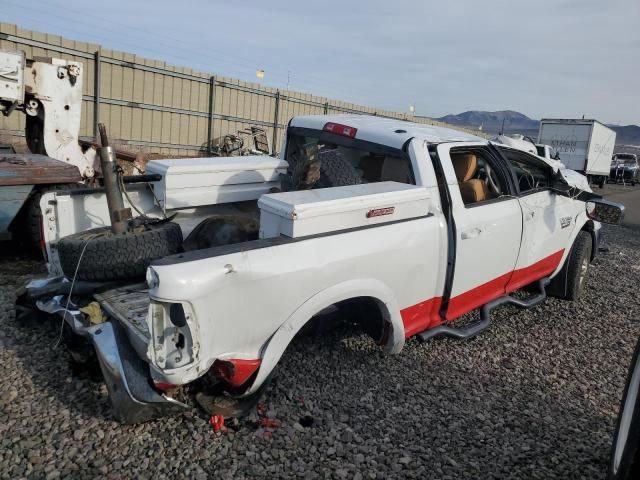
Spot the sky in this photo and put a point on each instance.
(544, 58)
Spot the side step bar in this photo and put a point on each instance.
(481, 325)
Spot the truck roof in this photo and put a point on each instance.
(574, 121)
(386, 131)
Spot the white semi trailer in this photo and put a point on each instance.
(585, 146)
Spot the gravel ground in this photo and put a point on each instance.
(536, 396)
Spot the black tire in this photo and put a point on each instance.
(114, 257)
(569, 282)
(624, 463)
(602, 182)
(335, 171)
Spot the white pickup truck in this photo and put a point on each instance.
(425, 224)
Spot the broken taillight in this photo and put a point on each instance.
(235, 371)
(339, 129)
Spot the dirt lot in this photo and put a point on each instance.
(534, 397)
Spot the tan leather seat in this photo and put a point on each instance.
(472, 189)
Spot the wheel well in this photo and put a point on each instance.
(370, 313)
(590, 228)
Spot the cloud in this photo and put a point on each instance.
(544, 58)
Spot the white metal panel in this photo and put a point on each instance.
(57, 84)
(548, 221)
(571, 141)
(603, 140)
(12, 76)
(206, 181)
(310, 212)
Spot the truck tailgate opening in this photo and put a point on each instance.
(129, 306)
(311, 212)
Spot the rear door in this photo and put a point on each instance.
(548, 218)
(488, 230)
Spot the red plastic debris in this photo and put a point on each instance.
(267, 434)
(217, 422)
(269, 423)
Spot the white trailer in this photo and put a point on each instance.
(585, 146)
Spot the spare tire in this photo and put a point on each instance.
(335, 171)
(108, 256)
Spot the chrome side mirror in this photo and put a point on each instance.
(605, 211)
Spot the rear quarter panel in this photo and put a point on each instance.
(242, 299)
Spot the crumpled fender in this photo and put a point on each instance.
(277, 344)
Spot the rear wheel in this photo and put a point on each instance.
(569, 282)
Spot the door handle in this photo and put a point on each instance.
(471, 233)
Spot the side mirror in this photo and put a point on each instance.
(605, 211)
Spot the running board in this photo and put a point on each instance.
(481, 325)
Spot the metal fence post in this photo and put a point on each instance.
(212, 99)
(96, 94)
(274, 139)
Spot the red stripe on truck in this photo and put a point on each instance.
(525, 276)
(421, 316)
(478, 296)
(424, 315)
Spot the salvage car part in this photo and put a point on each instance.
(49, 92)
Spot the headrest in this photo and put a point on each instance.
(464, 165)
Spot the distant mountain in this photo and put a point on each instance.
(516, 122)
(627, 134)
(491, 121)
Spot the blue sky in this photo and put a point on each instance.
(548, 58)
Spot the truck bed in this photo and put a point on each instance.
(129, 306)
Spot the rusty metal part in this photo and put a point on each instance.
(117, 212)
(121, 154)
(32, 169)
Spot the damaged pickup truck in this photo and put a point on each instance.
(411, 226)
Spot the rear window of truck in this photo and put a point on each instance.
(372, 162)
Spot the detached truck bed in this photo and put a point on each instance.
(585, 146)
